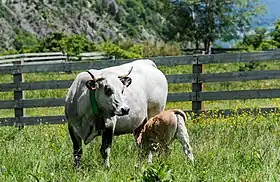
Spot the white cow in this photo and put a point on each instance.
(106, 102)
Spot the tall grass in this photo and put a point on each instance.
(244, 148)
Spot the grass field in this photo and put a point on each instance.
(243, 148)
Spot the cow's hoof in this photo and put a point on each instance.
(76, 167)
(190, 156)
(76, 163)
(107, 164)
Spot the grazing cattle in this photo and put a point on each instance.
(160, 131)
(113, 101)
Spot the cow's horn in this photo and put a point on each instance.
(96, 79)
(123, 76)
(91, 75)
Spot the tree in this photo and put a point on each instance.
(275, 34)
(210, 20)
(260, 39)
(24, 40)
(255, 39)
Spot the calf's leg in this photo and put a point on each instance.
(77, 146)
(183, 136)
(137, 131)
(150, 157)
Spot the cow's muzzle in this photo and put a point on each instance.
(123, 111)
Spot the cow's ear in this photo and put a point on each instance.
(91, 85)
(126, 81)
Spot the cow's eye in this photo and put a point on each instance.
(108, 91)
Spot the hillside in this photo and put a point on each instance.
(113, 20)
(99, 20)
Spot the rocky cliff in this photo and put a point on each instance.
(99, 20)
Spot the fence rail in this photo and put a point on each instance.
(240, 57)
(196, 78)
(50, 57)
(239, 76)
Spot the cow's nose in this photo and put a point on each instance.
(125, 111)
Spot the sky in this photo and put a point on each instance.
(272, 8)
(267, 21)
(272, 14)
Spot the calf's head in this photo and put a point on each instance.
(109, 90)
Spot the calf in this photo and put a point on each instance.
(160, 130)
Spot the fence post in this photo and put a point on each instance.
(18, 94)
(197, 86)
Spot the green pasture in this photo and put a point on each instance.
(241, 148)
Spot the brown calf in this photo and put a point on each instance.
(160, 130)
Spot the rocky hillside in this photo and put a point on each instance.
(98, 19)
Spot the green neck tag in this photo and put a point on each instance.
(93, 102)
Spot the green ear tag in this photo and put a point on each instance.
(93, 102)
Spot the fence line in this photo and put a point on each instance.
(176, 78)
(196, 78)
(50, 57)
(60, 119)
(240, 57)
(172, 97)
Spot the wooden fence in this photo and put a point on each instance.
(50, 57)
(197, 78)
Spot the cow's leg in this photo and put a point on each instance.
(77, 146)
(107, 139)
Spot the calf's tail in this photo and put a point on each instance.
(181, 113)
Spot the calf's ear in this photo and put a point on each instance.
(126, 81)
(91, 85)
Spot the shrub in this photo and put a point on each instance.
(76, 44)
(25, 41)
(156, 173)
(70, 44)
(8, 52)
(115, 50)
(151, 49)
(251, 66)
